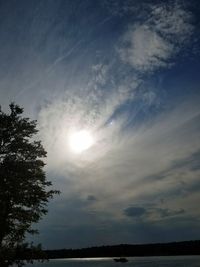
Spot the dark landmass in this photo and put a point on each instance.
(125, 250)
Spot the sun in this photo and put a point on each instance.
(80, 141)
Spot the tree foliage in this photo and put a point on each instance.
(24, 190)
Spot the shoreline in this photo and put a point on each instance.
(184, 248)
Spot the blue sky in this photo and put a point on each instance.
(127, 72)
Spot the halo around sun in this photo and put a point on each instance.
(80, 141)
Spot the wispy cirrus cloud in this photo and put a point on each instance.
(173, 22)
(152, 43)
(145, 49)
(120, 169)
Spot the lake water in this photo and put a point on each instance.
(172, 261)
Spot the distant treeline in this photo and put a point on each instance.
(125, 250)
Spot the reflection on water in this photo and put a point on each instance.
(172, 261)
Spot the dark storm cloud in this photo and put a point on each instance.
(163, 213)
(136, 212)
(152, 212)
(91, 198)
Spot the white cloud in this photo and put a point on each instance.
(172, 21)
(123, 176)
(152, 43)
(146, 50)
(122, 167)
(88, 107)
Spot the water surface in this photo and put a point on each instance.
(172, 261)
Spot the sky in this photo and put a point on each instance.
(127, 73)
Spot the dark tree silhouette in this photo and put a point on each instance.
(24, 192)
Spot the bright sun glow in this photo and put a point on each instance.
(80, 141)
